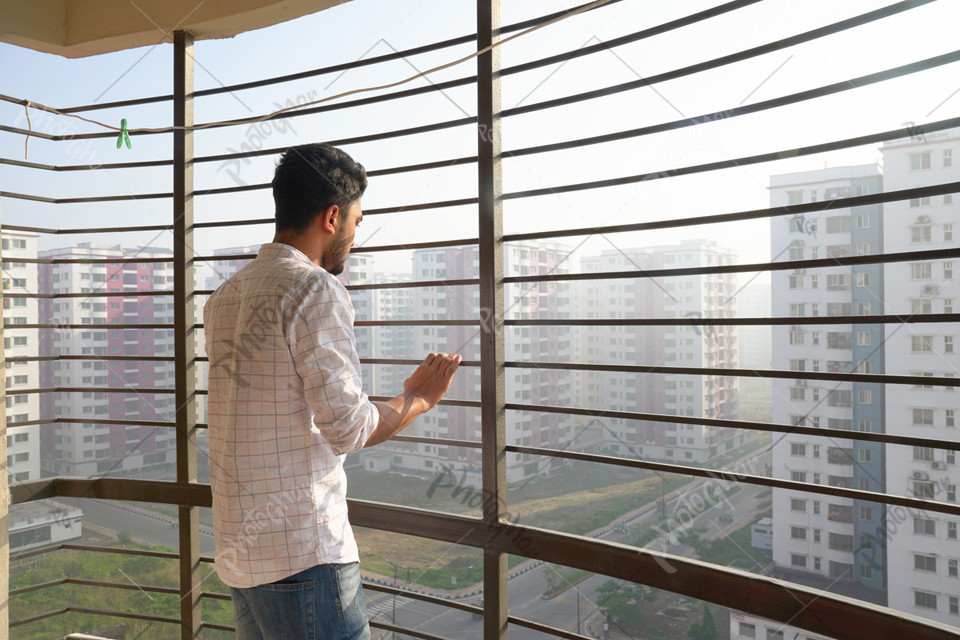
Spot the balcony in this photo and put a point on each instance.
(500, 544)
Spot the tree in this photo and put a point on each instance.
(621, 603)
(706, 629)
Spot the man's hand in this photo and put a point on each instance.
(432, 378)
(421, 392)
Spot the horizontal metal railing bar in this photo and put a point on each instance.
(917, 318)
(466, 282)
(879, 378)
(128, 489)
(322, 108)
(471, 404)
(415, 595)
(812, 609)
(360, 250)
(769, 427)
(411, 361)
(94, 583)
(121, 198)
(111, 326)
(421, 206)
(166, 555)
(443, 442)
(91, 294)
(636, 36)
(90, 357)
(261, 186)
(370, 137)
(94, 389)
(739, 56)
(131, 423)
(217, 627)
(97, 612)
(773, 156)
(149, 227)
(107, 421)
(733, 476)
(417, 323)
(555, 632)
(765, 105)
(405, 631)
(93, 260)
(215, 596)
(752, 214)
(929, 318)
(87, 167)
(819, 263)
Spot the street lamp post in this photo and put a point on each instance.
(395, 586)
(578, 608)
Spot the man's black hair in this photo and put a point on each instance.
(309, 179)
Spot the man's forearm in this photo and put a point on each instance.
(395, 414)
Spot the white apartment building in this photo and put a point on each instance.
(923, 553)
(19, 276)
(522, 385)
(91, 446)
(693, 296)
(906, 560)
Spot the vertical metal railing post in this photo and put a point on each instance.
(493, 420)
(184, 340)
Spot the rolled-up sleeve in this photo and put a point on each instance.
(325, 355)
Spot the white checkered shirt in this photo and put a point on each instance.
(285, 406)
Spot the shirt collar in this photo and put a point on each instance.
(281, 250)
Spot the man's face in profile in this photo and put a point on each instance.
(335, 258)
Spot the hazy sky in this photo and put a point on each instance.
(364, 28)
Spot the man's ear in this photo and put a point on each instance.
(330, 219)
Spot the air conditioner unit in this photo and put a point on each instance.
(929, 290)
(920, 475)
(799, 272)
(923, 220)
(942, 466)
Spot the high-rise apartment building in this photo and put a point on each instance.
(688, 296)
(91, 445)
(20, 276)
(904, 559)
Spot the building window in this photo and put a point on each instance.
(798, 476)
(925, 526)
(798, 533)
(865, 396)
(948, 344)
(798, 449)
(948, 232)
(863, 221)
(864, 338)
(921, 344)
(921, 233)
(925, 600)
(863, 279)
(922, 416)
(954, 605)
(947, 158)
(796, 504)
(920, 161)
(921, 270)
(798, 560)
(748, 630)
(923, 454)
(863, 308)
(921, 305)
(948, 270)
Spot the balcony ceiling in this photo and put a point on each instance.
(78, 28)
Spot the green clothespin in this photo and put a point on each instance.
(124, 136)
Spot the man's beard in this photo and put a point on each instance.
(337, 251)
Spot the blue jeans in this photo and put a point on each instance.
(324, 602)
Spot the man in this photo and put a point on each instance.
(286, 406)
